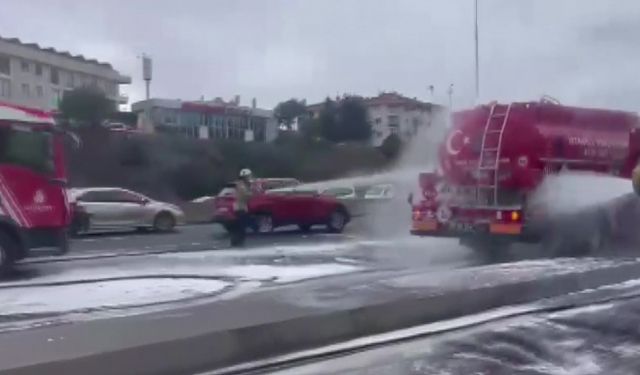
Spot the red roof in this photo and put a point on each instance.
(392, 99)
(213, 108)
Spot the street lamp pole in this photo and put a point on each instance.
(477, 53)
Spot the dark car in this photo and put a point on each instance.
(272, 208)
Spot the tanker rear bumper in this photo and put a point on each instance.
(525, 234)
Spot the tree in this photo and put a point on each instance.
(345, 120)
(353, 121)
(391, 146)
(287, 111)
(86, 105)
(310, 129)
(328, 119)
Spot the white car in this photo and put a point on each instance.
(382, 191)
(110, 208)
(340, 192)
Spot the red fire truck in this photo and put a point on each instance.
(34, 211)
(494, 157)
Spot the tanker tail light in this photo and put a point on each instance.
(509, 216)
(417, 215)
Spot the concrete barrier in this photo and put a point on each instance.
(295, 331)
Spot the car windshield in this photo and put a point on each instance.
(377, 190)
(226, 192)
(338, 192)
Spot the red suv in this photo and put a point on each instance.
(273, 206)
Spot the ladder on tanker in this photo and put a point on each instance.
(489, 162)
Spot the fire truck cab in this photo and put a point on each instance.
(495, 156)
(34, 211)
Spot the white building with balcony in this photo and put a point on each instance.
(392, 113)
(37, 77)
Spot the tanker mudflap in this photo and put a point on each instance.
(499, 228)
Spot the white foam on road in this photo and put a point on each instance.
(103, 295)
(197, 267)
(287, 274)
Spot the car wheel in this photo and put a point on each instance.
(264, 223)
(305, 227)
(164, 222)
(8, 252)
(79, 225)
(337, 221)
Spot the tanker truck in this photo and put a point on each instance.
(495, 156)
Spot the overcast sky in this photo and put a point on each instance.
(579, 51)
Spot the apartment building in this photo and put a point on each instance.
(37, 77)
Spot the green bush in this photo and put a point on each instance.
(172, 168)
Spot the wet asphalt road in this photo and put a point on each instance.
(383, 250)
(589, 339)
(203, 250)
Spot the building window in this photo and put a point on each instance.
(55, 76)
(38, 69)
(24, 65)
(5, 88)
(393, 121)
(5, 65)
(39, 92)
(70, 80)
(26, 92)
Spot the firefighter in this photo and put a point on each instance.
(635, 179)
(240, 208)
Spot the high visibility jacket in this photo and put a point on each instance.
(635, 179)
(242, 195)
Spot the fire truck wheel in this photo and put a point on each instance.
(79, 225)
(8, 251)
(305, 227)
(63, 243)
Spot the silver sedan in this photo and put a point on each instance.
(110, 208)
